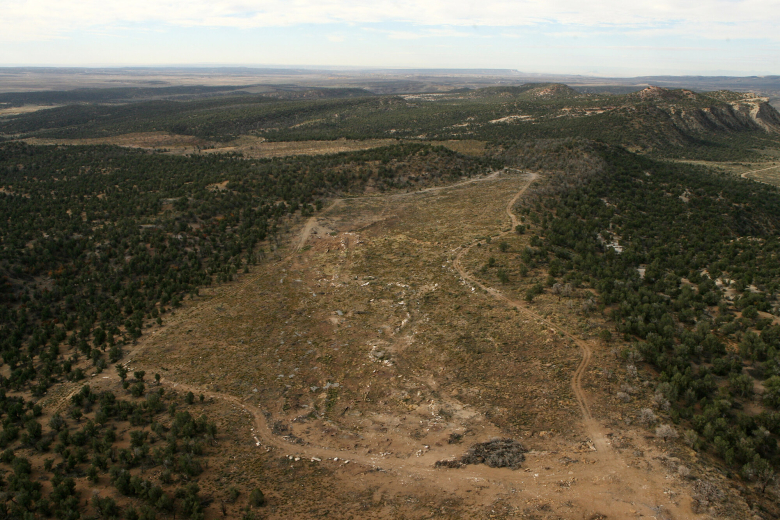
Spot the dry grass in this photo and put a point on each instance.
(770, 176)
(249, 146)
(26, 109)
(135, 140)
(466, 146)
(366, 343)
(384, 283)
(257, 147)
(767, 171)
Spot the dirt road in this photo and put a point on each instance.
(744, 175)
(595, 432)
(606, 483)
(312, 222)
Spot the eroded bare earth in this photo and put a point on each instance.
(248, 146)
(371, 346)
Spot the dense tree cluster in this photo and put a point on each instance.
(671, 126)
(110, 95)
(97, 241)
(85, 442)
(662, 243)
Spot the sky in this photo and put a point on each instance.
(608, 37)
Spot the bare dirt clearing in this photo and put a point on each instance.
(254, 147)
(769, 175)
(373, 343)
(257, 147)
(767, 172)
(248, 146)
(153, 140)
(26, 109)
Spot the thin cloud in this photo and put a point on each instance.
(33, 20)
(424, 32)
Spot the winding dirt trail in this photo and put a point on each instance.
(593, 429)
(744, 175)
(262, 429)
(603, 486)
(312, 222)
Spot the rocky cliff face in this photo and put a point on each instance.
(694, 113)
(768, 116)
(735, 116)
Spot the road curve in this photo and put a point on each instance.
(262, 430)
(592, 427)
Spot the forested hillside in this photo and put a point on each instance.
(97, 241)
(679, 123)
(685, 263)
(676, 267)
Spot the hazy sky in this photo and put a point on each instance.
(608, 37)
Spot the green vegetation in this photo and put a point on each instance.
(86, 442)
(694, 233)
(108, 95)
(675, 123)
(98, 241)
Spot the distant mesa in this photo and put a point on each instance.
(726, 112)
(653, 93)
(554, 90)
(530, 91)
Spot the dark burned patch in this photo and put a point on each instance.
(497, 453)
(455, 463)
(279, 428)
(455, 438)
(282, 430)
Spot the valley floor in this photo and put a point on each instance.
(372, 345)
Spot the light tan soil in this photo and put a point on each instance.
(365, 349)
(249, 146)
(767, 172)
(26, 109)
(768, 175)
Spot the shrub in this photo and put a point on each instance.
(257, 498)
(741, 384)
(534, 291)
(498, 453)
(646, 416)
(56, 422)
(691, 438)
(750, 313)
(137, 390)
(666, 432)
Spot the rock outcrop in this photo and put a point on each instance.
(694, 113)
